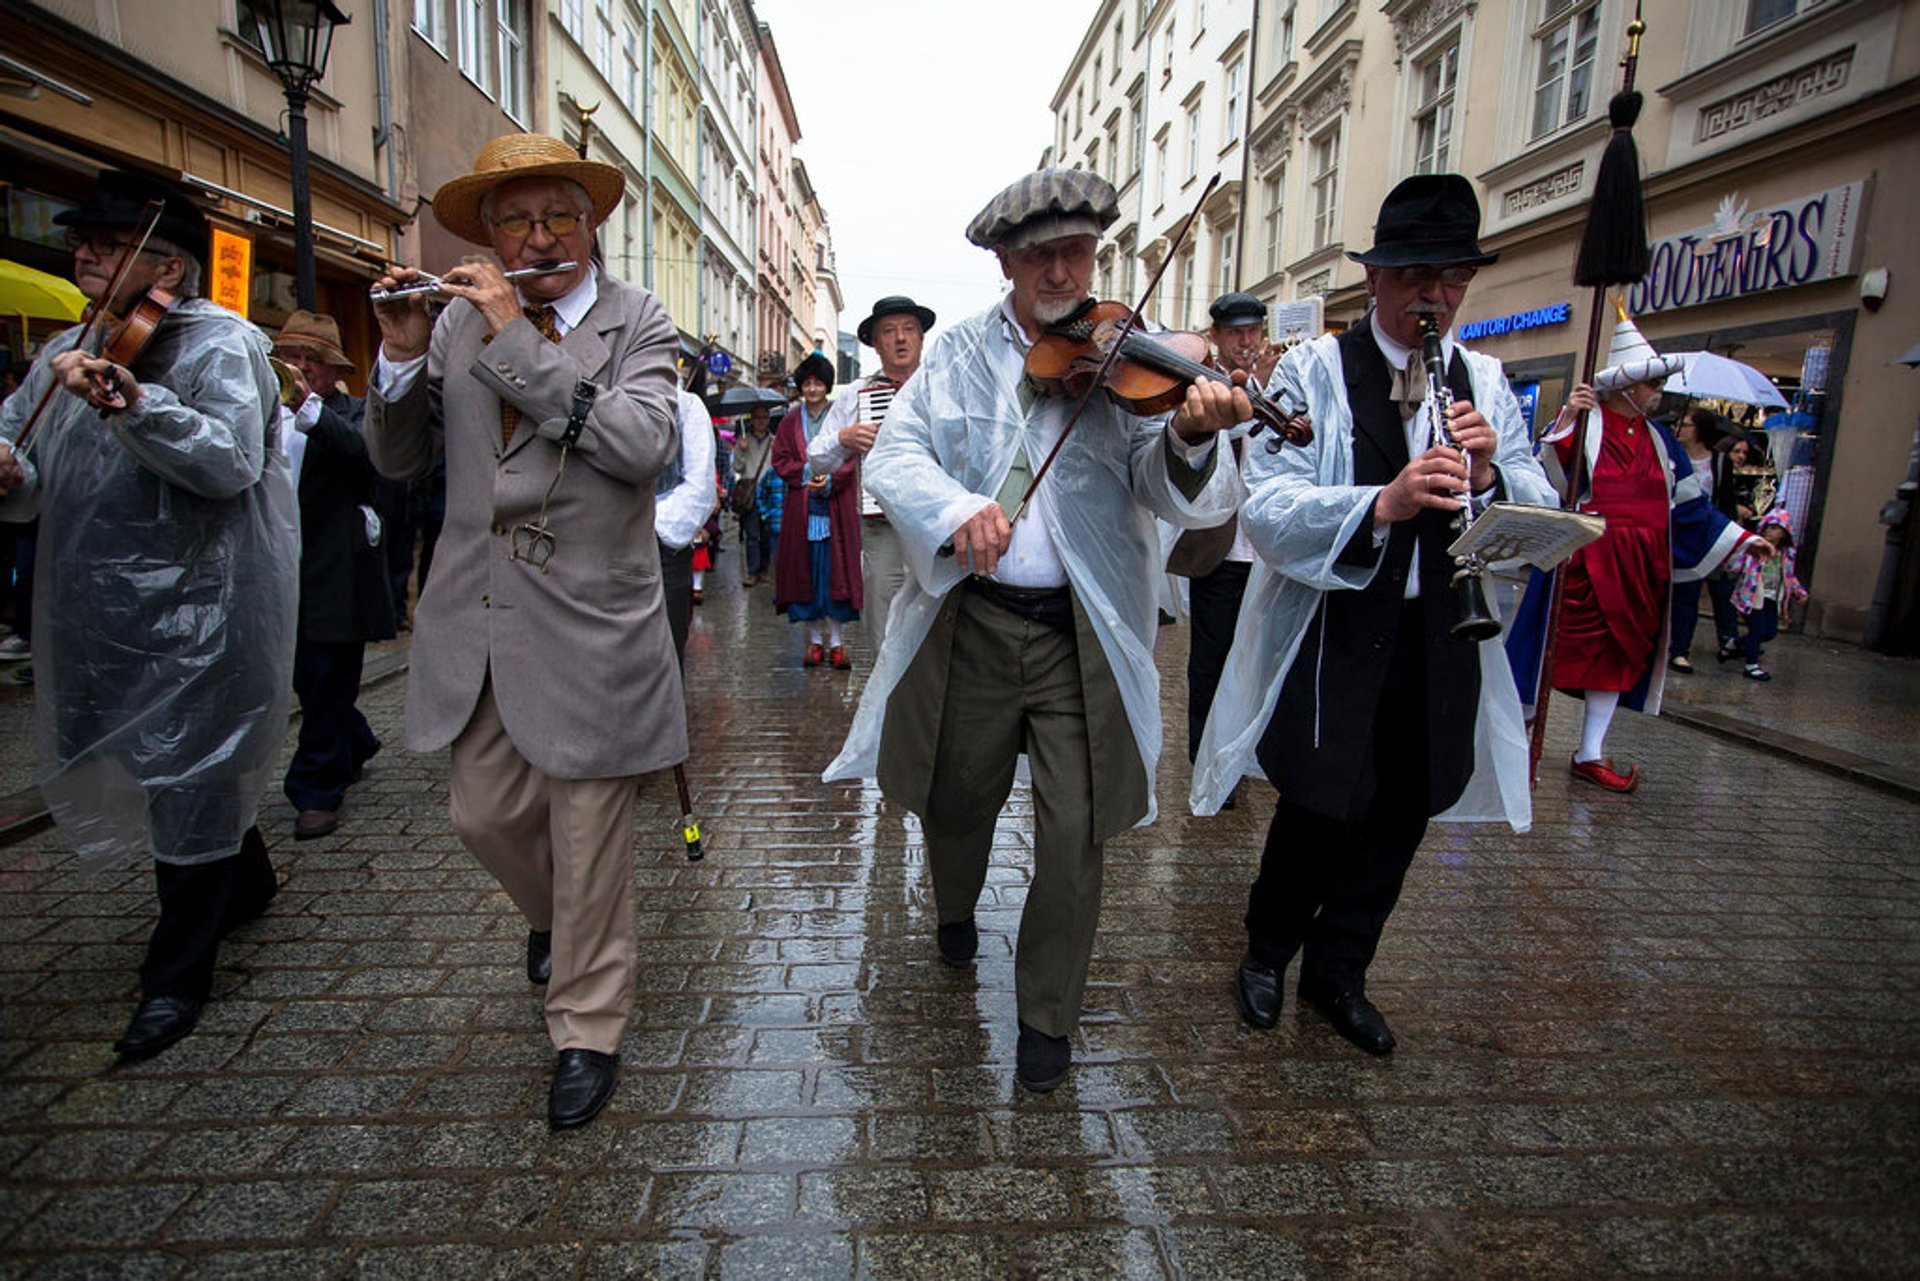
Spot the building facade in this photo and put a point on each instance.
(729, 107)
(778, 130)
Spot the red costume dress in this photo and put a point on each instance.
(1613, 618)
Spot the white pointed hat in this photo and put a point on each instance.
(1631, 359)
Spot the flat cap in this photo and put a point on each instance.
(1045, 205)
(1231, 310)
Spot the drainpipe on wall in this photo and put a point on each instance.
(383, 95)
(646, 157)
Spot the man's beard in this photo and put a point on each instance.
(1048, 313)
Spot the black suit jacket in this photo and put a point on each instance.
(1379, 705)
(344, 593)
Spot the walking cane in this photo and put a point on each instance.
(1613, 251)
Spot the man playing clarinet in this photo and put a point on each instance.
(1345, 681)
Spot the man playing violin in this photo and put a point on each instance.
(1033, 636)
(1380, 718)
(169, 558)
(542, 653)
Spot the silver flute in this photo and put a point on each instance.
(428, 284)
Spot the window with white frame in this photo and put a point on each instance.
(573, 16)
(1079, 110)
(1566, 41)
(1119, 44)
(430, 20)
(1137, 124)
(1273, 204)
(1166, 53)
(1324, 164)
(1230, 123)
(1435, 78)
(1099, 74)
(471, 32)
(1160, 170)
(1093, 156)
(603, 39)
(1229, 246)
(1193, 140)
(1762, 14)
(1111, 174)
(1283, 28)
(515, 25)
(629, 82)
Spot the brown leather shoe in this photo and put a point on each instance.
(311, 824)
(1603, 774)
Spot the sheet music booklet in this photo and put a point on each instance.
(1511, 534)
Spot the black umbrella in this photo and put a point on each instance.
(744, 400)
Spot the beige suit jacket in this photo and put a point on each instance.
(580, 654)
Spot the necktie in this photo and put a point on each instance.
(542, 317)
(1409, 390)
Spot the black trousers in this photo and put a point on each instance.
(1213, 604)
(1327, 885)
(199, 905)
(676, 584)
(335, 739)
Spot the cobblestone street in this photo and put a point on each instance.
(1674, 1032)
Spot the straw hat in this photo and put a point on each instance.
(316, 333)
(523, 155)
(1631, 359)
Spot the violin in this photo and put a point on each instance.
(1151, 373)
(130, 337)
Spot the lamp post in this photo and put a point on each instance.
(297, 36)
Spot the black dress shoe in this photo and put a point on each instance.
(1258, 987)
(1352, 1015)
(583, 1081)
(1040, 1061)
(540, 956)
(959, 942)
(156, 1024)
(311, 825)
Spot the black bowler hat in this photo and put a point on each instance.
(1230, 311)
(1430, 219)
(894, 305)
(119, 200)
(814, 366)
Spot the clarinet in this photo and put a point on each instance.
(1477, 622)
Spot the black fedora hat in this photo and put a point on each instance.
(119, 200)
(894, 305)
(1430, 219)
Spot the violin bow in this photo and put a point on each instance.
(1113, 349)
(150, 218)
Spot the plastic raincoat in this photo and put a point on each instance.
(169, 561)
(945, 449)
(1303, 509)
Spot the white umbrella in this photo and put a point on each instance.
(1706, 375)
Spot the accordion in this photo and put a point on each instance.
(870, 406)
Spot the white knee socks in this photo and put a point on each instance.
(1593, 727)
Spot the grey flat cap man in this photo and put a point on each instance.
(1045, 205)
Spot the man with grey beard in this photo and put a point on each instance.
(1028, 627)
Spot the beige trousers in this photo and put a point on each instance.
(562, 849)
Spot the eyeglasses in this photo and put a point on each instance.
(519, 226)
(99, 244)
(1451, 277)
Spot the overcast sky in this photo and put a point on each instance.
(913, 114)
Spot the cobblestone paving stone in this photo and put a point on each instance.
(1674, 1032)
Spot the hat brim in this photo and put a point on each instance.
(334, 356)
(1439, 254)
(865, 331)
(1645, 370)
(457, 204)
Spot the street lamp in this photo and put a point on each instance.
(297, 36)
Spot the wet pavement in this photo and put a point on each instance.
(1670, 1032)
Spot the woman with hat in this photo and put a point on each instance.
(816, 571)
(542, 653)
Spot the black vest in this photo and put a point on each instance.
(1319, 748)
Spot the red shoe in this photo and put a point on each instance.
(839, 658)
(699, 597)
(1602, 774)
(814, 656)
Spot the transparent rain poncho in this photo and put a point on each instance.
(943, 453)
(1302, 510)
(164, 593)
